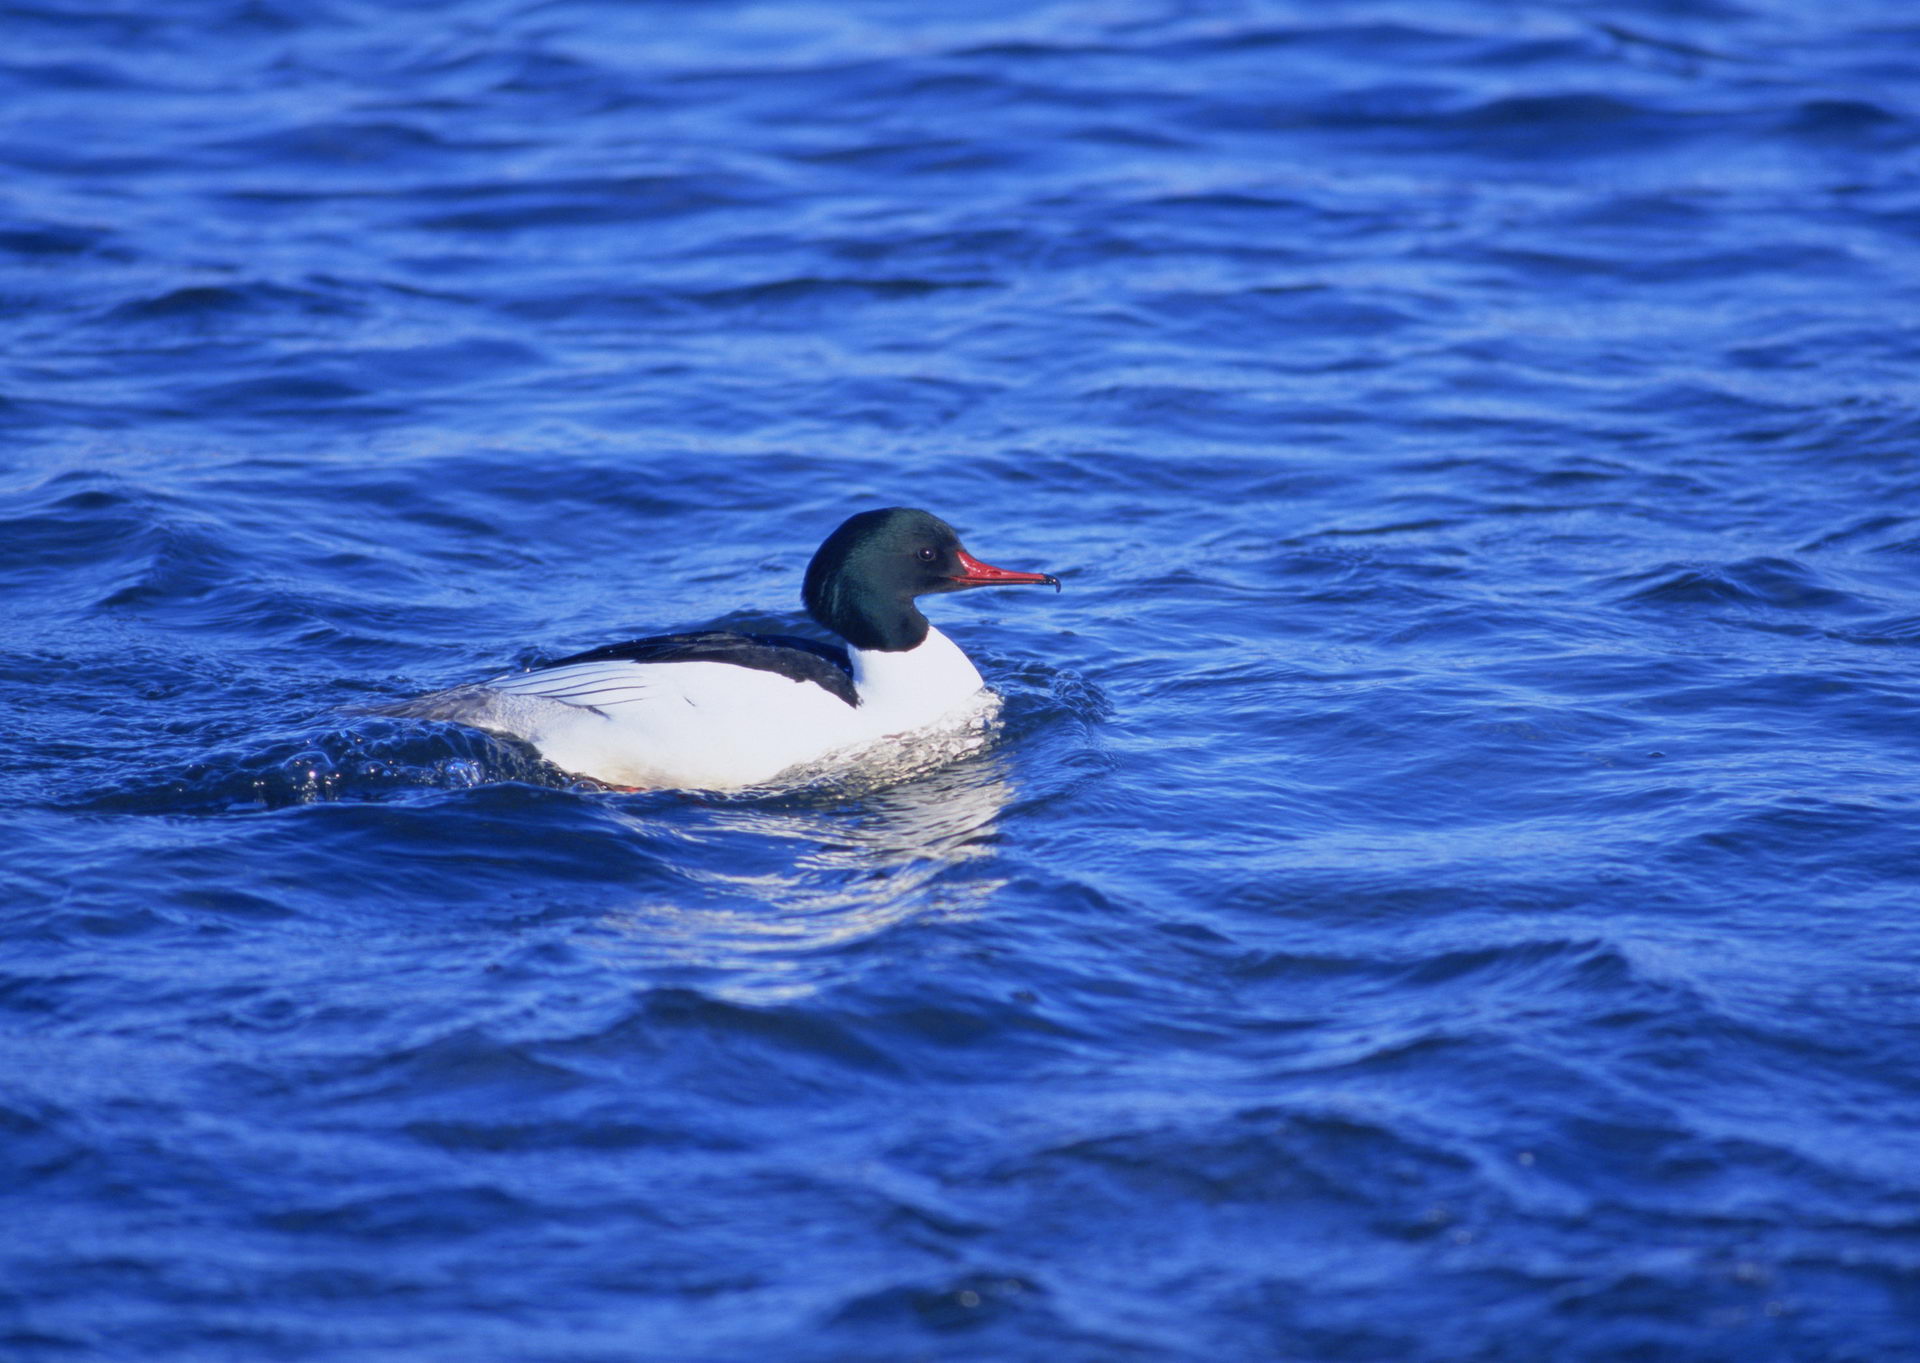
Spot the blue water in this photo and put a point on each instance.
(1446, 885)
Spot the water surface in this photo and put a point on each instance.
(1444, 887)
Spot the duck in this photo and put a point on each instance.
(719, 710)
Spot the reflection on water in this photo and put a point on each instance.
(783, 882)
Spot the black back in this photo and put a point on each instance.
(788, 655)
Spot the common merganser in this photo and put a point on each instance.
(716, 710)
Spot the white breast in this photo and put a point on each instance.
(912, 689)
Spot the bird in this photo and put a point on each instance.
(718, 710)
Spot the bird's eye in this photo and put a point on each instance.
(927, 556)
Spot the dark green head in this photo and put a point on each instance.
(862, 581)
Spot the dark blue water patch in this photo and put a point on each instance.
(490, 209)
(353, 145)
(1895, 632)
(73, 520)
(1848, 119)
(1765, 583)
(212, 305)
(374, 759)
(53, 239)
(1863, 435)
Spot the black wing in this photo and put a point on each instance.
(788, 655)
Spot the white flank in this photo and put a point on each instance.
(712, 726)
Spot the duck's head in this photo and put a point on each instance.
(862, 581)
